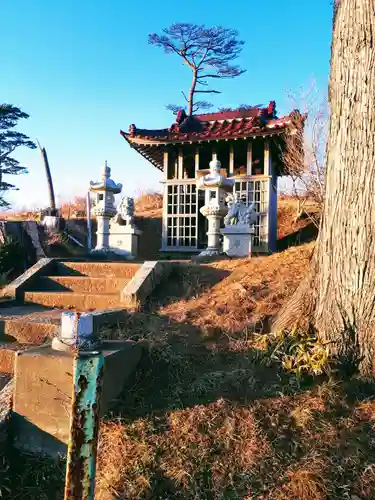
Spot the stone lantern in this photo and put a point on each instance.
(104, 208)
(216, 186)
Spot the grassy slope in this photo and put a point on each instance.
(205, 419)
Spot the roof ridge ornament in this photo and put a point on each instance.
(132, 130)
(271, 109)
(181, 116)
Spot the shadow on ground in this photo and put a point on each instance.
(201, 420)
(186, 281)
(205, 417)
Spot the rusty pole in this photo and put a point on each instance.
(84, 426)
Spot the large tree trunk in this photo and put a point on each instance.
(343, 270)
(345, 311)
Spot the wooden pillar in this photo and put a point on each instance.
(164, 237)
(165, 163)
(180, 164)
(249, 157)
(272, 214)
(231, 159)
(267, 158)
(272, 197)
(196, 159)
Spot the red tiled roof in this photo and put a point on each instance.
(229, 115)
(269, 111)
(226, 124)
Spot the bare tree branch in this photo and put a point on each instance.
(304, 150)
(207, 92)
(205, 50)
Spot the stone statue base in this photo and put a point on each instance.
(209, 252)
(237, 240)
(123, 240)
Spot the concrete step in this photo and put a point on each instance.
(8, 352)
(97, 269)
(28, 333)
(74, 301)
(80, 284)
(29, 324)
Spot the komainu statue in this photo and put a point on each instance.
(125, 212)
(239, 213)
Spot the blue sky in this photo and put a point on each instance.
(83, 70)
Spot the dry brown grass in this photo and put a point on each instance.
(177, 438)
(12, 215)
(149, 202)
(68, 209)
(264, 439)
(254, 291)
(287, 220)
(74, 208)
(188, 451)
(204, 419)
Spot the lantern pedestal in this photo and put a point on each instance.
(214, 216)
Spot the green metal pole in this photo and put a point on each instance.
(84, 426)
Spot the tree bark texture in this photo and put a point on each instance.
(341, 283)
(300, 308)
(191, 93)
(345, 311)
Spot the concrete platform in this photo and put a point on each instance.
(43, 390)
(29, 324)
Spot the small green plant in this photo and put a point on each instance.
(11, 257)
(4, 280)
(298, 351)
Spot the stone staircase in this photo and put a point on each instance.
(82, 286)
(54, 286)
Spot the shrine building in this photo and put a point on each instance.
(249, 145)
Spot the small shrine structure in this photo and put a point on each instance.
(249, 145)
